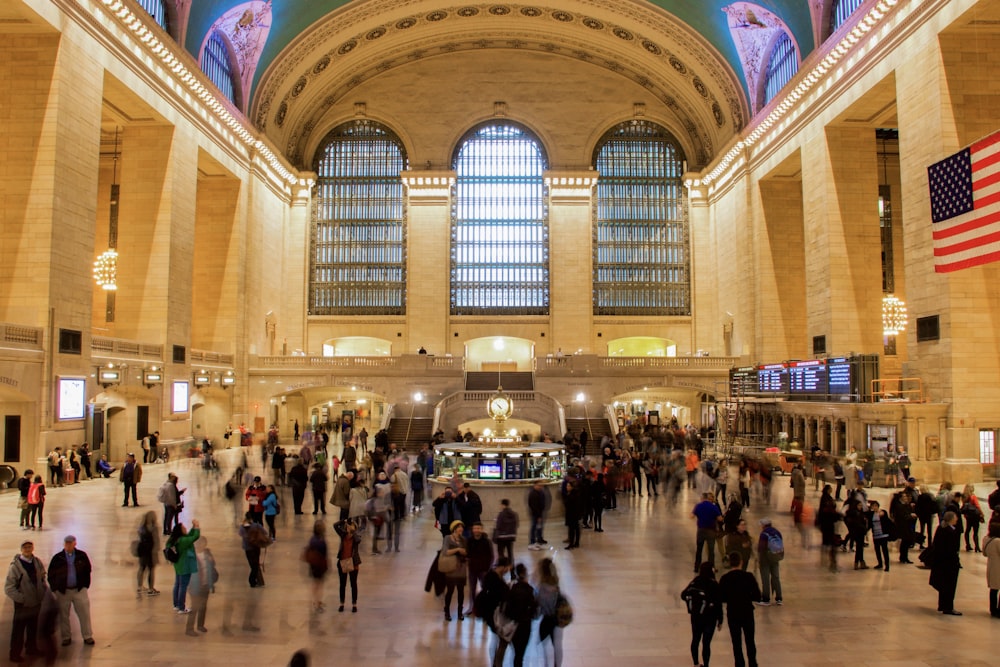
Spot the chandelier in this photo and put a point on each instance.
(893, 315)
(106, 270)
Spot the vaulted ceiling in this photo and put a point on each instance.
(701, 59)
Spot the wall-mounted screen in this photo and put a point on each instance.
(72, 398)
(490, 469)
(839, 375)
(807, 377)
(180, 397)
(772, 378)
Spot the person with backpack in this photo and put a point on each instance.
(36, 502)
(552, 607)
(770, 552)
(520, 607)
(704, 603)
(181, 543)
(255, 538)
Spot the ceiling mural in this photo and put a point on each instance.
(247, 27)
(754, 30)
(293, 18)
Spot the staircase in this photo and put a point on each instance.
(596, 429)
(520, 381)
(410, 434)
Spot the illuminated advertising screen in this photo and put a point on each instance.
(490, 469)
(72, 398)
(180, 397)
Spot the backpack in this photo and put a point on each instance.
(53, 459)
(697, 600)
(277, 506)
(161, 495)
(230, 490)
(775, 545)
(564, 611)
(258, 537)
(34, 494)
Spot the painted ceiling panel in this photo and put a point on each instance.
(289, 18)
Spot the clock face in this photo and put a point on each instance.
(499, 405)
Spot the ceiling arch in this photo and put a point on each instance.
(363, 41)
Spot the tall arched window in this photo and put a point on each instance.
(841, 10)
(358, 253)
(500, 231)
(641, 255)
(157, 10)
(781, 67)
(215, 62)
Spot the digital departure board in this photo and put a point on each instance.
(743, 380)
(807, 377)
(772, 379)
(839, 376)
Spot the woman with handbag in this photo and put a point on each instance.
(348, 560)
(452, 563)
(187, 561)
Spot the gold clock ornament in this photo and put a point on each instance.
(499, 407)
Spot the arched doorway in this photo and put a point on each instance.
(499, 353)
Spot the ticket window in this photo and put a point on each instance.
(881, 438)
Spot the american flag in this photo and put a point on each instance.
(965, 206)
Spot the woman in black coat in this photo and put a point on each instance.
(944, 571)
(704, 602)
(519, 607)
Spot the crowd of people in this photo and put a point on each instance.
(372, 491)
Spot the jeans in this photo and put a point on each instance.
(130, 486)
(535, 533)
(705, 535)
(738, 629)
(882, 552)
(180, 590)
(451, 585)
(769, 578)
(169, 518)
(253, 558)
(353, 576)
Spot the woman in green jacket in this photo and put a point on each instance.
(187, 561)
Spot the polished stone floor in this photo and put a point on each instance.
(624, 584)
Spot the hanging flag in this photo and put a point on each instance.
(965, 206)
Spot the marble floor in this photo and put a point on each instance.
(624, 584)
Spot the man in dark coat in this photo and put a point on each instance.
(946, 564)
(739, 592)
(298, 478)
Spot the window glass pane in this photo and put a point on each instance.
(641, 261)
(781, 67)
(358, 258)
(155, 9)
(840, 12)
(215, 63)
(500, 236)
(987, 446)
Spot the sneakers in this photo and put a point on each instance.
(778, 602)
(763, 603)
(152, 591)
(184, 611)
(534, 547)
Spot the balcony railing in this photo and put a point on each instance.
(578, 362)
(410, 362)
(17, 335)
(124, 349)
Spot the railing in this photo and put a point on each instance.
(20, 336)
(414, 362)
(897, 390)
(588, 361)
(117, 347)
(210, 358)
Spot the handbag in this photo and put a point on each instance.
(447, 563)
(347, 565)
(505, 627)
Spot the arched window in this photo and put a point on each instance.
(358, 251)
(641, 247)
(158, 10)
(215, 62)
(499, 231)
(781, 67)
(841, 10)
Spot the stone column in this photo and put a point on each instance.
(571, 279)
(428, 279)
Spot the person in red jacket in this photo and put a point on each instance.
(255, 495)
